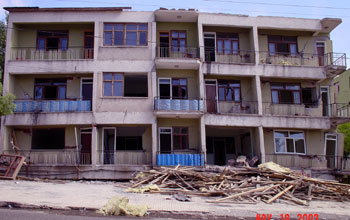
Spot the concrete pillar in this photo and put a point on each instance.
(254, 43)
(258, 94)
(201, 82)
(4, 136)
(153, 36)
(95, 91)
(203, 139)
(261, 144)
(200, 40)
(94, 146)
(154, 143)
(154, 85)
(98, 39)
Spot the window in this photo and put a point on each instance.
(129, 143)
(309, 97)
(48, 139)
(50, 89)
(229, 90)
(52, 40)
(173, 88)
(178, 41)
(127, 85)
(173, 138)
(285, 45)
(227, 43)
(289, 142)
(125, 34)
(180, 138)
(179, 88)
(285, 93)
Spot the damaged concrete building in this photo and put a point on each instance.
(104, 92)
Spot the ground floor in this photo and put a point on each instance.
(115, 151)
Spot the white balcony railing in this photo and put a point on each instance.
(73, 53)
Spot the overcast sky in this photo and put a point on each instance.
(287, 8)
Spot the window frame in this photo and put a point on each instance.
(232, 40)
(46, 37)
(233, 88)
(282, 41)
(285, 140)
(51, 84)
(172, 138)
(171, 87)
(112, 81)
(124, 34)
(284, 89)
(180, 135)
(178, 41)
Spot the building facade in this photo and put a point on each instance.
(104, 92)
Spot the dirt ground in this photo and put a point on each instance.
(94, 194)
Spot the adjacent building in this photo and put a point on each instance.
(104, 92)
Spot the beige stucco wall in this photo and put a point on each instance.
(190, 75)
(193, 129)
(190, 28)
(27, 36)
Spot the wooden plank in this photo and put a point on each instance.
(280, 194)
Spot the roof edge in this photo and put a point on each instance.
(37, 9)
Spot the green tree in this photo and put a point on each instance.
(345, 129)
(6, 103)
(3, 31)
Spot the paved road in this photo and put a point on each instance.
(20, 214)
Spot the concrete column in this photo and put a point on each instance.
(95, 91)
(154, 85)
(258, 94)
(200, 40)
(153, 38)
(154, 143)
(261, 144)
(254, 43)
(94, 146)
(97, 39)
(203, 139)
(201, 82)
(3, 136)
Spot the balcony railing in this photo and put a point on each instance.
(341, 110)
(191, 104)
(231, 107)
(242, 56)
(55, 157)
(30, 53)
(136, 157)
(303, 59)
(37, 106)
(180, 158)
(177, 52)
(291, 109)
(311, 161)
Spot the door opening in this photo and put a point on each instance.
(85, 146)
(325, 101)
(320, 52)
(164, 44)
(109, 142)
(210, 95)
(209, 46)
(331, 150)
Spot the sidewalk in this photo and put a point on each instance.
(93, 195)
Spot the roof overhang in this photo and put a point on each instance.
(165, 15)
(37, 9)
(329, 24)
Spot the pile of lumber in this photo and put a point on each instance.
(248, 185)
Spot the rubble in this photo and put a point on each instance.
(268, 183)
(120, 206)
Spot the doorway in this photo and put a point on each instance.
(331, 150)
(88, 45)
(210, 95)
(164, 44)
(325, 101)
(109, 142)
(320, 53)
(85, 146)
(219, 151)
(209, 46)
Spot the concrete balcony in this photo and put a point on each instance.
(52, 106)
(184, 108)
(177, 58)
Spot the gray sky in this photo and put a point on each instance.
(287, 8)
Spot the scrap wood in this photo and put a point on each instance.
(246, 184)
(10, 165)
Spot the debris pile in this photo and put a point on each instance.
(268, 183)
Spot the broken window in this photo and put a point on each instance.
(125, 34)
(52, 40)
(285, 45)
(48, 139)
(289, 142)
(309, 96)
(227, 43)
(127, 85)
(173, 88)
(286, 93)
(229, 90)
(130, 138)
(179, 88)
(50, 89)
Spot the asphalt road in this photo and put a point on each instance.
(20, 214)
